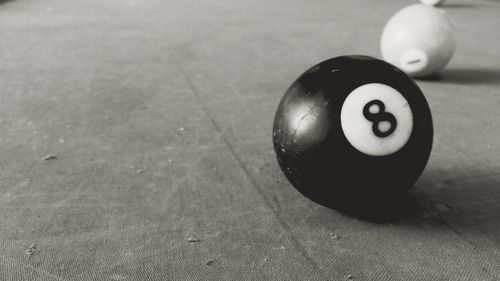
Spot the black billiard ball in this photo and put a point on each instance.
(352, 129)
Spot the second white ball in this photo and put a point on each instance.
(418, 39)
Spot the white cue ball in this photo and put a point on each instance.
(418, 39)
(432, 2)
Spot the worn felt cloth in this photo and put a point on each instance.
(135, 144)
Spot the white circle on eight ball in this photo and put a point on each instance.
(376, 119)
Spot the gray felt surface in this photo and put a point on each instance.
(158, 116)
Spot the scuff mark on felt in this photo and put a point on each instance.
(49, 157)
(193, 240)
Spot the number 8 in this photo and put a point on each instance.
(378, 117)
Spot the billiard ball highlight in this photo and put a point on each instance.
(352, 129)
(419, 39)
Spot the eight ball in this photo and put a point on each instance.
(351, 130)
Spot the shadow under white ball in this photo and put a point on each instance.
(432, 2)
